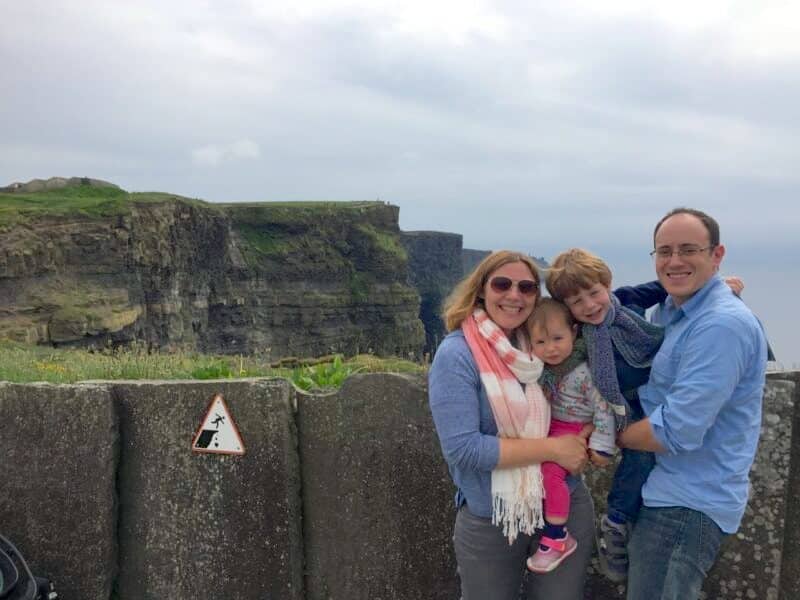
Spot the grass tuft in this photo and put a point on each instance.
(23, 363)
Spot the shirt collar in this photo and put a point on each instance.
(692, 304)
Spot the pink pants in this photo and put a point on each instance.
(556, 491)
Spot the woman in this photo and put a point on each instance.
(493, 443)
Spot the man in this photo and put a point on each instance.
(703, 407)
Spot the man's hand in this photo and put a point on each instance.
(639, 436)
(586, 432)
(736, 284)
(598, 460)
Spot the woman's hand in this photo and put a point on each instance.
(570, 451)
(598, 460)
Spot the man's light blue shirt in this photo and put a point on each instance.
(704, 404)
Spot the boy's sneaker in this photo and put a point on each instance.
(612, 549)
(544, 561)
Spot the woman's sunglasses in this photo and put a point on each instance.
(526, 287)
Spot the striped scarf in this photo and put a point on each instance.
(520, 410)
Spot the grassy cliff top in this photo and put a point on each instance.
(93, 201)
(79, 200)
(321, 232)
(307, 204)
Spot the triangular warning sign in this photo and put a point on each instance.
(218, 433)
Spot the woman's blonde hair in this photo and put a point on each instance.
(468, 293)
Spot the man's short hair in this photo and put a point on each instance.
(707, 220)
(574, 270)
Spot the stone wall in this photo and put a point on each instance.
(341, 495)
(59, 450)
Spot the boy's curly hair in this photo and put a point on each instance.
(574, 270)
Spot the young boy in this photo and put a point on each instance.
(620, 346)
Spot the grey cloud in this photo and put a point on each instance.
(340, 112)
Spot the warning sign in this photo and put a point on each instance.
(218, 433)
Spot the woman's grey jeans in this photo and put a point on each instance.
(490, 569)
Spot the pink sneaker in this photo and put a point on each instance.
(544, 561)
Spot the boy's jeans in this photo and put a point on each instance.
(671, 551)
(625, 495)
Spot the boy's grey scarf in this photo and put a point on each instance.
(636, 339)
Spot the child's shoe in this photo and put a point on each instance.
(612, 549)
(544, 561)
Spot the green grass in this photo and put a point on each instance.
(359, 287)
(325, 375)
(293, 216)
(388, 243)
(265, 244)
(22, 363)
(308, 204)
(78, 200)
(83, 200)
(316, 231)
(102, 201)
(92, 201)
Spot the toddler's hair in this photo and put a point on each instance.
(546, 310)
(574, 270)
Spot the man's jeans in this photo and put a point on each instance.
(671, 551)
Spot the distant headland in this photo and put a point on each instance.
(86, 263)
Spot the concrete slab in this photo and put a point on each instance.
(201, 525)
(377, 498)
(58, 449)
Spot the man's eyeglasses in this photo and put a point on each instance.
(502, 284)
(686, 251)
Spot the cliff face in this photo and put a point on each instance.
(470, 259)
(284, 279)
(434, 260)
(324, 278)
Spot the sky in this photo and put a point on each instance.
(528, 125)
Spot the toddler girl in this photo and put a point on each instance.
(574, 401)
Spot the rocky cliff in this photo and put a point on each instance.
(435, 266)
(470, 259)
(88, 264)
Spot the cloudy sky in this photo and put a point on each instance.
(530, 125)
